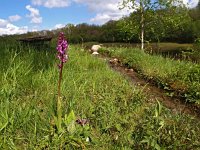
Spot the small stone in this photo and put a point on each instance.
(95, 53)
(131, 70)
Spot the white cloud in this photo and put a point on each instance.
(33, 11)
(191, 3)
(3, 23)
(100, 5)
(14, 18)
(34, 15)
(57, 26)
(51, 3)
(101, 18)
(106, 10)
(7, 28)
(12, 29)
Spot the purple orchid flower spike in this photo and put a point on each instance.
(62, 47)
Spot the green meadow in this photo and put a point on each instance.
(119, 114)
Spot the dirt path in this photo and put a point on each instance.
(153, 92)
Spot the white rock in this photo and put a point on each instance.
(95, 48)
(131, 70)
(95, 53)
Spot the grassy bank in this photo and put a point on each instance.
(181, 76)
(155, 47)
(119, 115)
(176, 51)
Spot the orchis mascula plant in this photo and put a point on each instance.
(62, 47)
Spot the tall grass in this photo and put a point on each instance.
(118, 113)
(181, 76)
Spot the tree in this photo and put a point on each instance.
(172, 23)
(129, 28)
(110, 32)
(146, 10)
(195, 15)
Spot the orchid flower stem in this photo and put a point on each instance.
(59, 101)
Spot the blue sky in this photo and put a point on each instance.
(20, 16)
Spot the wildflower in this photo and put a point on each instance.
(62, 47)
(63, 57)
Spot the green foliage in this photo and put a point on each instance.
(160, 130)
(129, 28)
(197, 42)
(162, 21)
(194, 52)
(119, 116)
(29, 91)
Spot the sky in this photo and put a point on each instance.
(21, 16)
